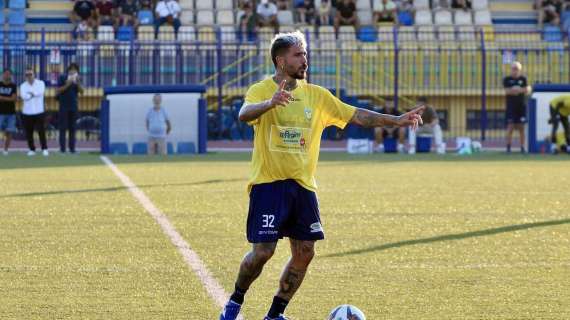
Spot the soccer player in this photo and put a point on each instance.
(559, 112)
(516, 89)
(289, 115)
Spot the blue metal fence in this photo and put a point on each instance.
(460, 72)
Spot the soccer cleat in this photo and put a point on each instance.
(281, 317)
(412, 150)
(5, 152)
(45, 152)
(231, 311)
(31, 153)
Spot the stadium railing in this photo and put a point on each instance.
(460, 70)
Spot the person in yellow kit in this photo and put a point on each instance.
(559, 112)
(289, 115)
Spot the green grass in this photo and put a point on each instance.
(424, 237)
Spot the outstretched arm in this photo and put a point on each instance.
(371, 119)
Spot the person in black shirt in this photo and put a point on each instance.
(345, 14)
(549, 11)
(461, 4)
(389, 132)
(306, 11)
(84, 11)
(69, 87)
(516, 89)
(8, 96)
(128, 13)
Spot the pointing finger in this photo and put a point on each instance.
(282, 85)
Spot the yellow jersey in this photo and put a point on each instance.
(565, 109)
(287, 139)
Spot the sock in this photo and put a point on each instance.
(238, 295)
(277, 307)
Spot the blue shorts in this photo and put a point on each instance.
(8, 123)
(283, 209)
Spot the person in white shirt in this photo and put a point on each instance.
(385, 11)
(33, 112)
(267, 13)
(167, 11)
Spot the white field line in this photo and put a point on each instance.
(214, 289)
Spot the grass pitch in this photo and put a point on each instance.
(423, 237)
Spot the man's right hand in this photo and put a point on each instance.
(281, 97)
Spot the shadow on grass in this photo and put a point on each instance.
(113, 189)
(450, 237)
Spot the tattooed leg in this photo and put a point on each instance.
(295, 270)
(253, 263)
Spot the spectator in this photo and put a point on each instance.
(167, 11)
(84, 13)
(282, 4)
(267, 14)
(248, 23)
(559, 112)
(430, 126)
(325, 12)
(461, 4)
(8, 96)
(128, 10)
(549, 11)
(406, 6)
(389, 132)
(158, 127)
(33, 112)
(241, 3)
(83, 31)
(516, 88)
(306, 11)
(145, 5)
(346, 14)
(385, 11)
(105, 13)
(145, 15)
(69, 87)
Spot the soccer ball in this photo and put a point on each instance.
(346, 312)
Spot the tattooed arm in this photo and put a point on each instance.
(371, 119)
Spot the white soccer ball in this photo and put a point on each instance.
(346, 312)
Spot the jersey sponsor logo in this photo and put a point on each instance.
(316, 227)
(289, 139)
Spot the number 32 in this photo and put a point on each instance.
(268, 220)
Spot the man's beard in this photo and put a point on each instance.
(300, 74)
